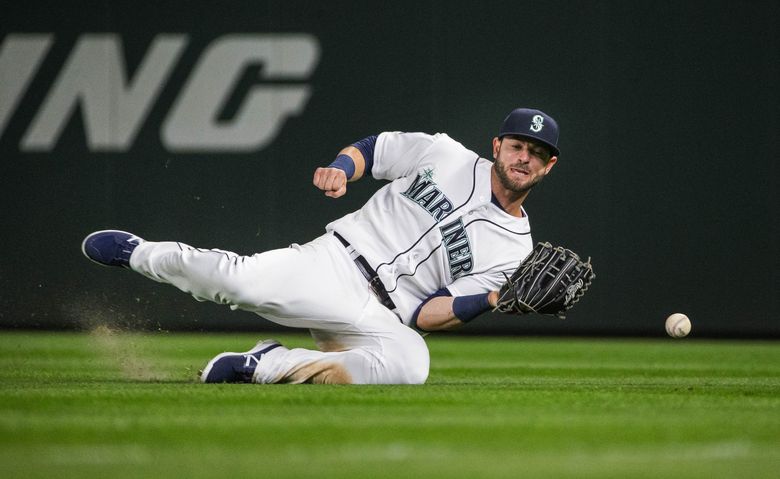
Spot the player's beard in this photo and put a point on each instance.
(513, 185)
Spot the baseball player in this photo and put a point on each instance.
(427, 252)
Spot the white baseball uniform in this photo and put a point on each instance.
(433, 226)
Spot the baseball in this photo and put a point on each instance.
(678, 325)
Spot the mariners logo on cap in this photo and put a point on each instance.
(533, 124)
(537, 123)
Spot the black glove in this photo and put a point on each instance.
(549, 281)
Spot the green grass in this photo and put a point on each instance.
(128, 405)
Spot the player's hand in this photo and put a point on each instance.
(332, 181)
(493, 298)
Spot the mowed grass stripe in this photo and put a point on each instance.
(493, 407)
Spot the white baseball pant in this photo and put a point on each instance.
(315, 286)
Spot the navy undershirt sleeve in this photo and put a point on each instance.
(441, 292)
(366, 147)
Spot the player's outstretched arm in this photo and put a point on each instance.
(441, 313)
(348, 166)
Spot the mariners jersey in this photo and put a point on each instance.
(434, 225)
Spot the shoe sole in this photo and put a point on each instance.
(84, 244)
(259, 348)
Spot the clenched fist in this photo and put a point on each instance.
(333, 181)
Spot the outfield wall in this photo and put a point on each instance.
(203, 121)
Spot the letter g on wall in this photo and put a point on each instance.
(192, 124)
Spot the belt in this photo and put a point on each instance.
(369, 273)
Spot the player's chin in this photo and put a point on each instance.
(522, 186)
(521, 183)
(520, 179)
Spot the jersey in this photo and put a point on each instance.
(434, 225)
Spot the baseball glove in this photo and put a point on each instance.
(549, 281)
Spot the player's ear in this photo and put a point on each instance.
(496, 147)
(550, 163)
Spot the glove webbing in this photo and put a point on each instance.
(554, 270)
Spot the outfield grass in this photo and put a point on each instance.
(128, 405)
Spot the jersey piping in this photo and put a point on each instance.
(424, 234)
(466, 225)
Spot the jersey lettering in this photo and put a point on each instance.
(424, 192)
(426, 199)
(440, 208)
(456, 241)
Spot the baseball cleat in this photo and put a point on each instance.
(110, 247)
(236, 367)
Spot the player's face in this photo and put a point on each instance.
(520, 163)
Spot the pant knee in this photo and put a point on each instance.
(412, 360)
(417, 369)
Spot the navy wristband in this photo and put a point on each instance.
(467, 308)
(344, 163)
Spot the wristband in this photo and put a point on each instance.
(467, 308)
(344, 163)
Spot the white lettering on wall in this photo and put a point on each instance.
(193, 125)
(113, 108)
(20, 56)
(94, 81)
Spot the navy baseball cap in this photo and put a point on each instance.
(534, 124)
